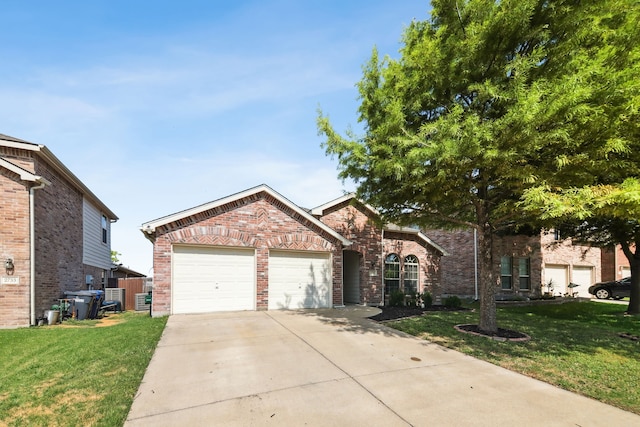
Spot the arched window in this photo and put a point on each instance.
(411, 273)
(391, 273)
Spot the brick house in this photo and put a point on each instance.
(256, 250)
(615, 265)
(55, 234)
(525, 265)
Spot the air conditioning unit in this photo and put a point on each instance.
(140, 302)
(115, 294)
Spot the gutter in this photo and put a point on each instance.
(32, 248)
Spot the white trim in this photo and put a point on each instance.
(415, 231)
(148, 228)
(25, 175)
(319, 210)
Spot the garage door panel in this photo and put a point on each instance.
(209, 279)
(582, 276)
(299, 280)
(557, 274)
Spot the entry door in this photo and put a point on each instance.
(351, 276)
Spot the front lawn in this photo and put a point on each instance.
(75, 374)
(585, 347)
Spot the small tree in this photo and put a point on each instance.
(114, 257)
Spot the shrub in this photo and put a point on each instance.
(396, 299)
(427, 299)
(413, 298)
(452, 302)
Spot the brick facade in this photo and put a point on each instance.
(458, 269)
(615, 264)
(358, 225)
(58, 229)
(260, 222)
(14, 244)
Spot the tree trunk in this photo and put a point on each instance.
(487, 288)
(634, 263)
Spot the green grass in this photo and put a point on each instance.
(575, 346)
(76, 373)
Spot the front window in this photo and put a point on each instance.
(392, 273)
(411, 274)
(524, 273)
(104, 229)
(505, 272)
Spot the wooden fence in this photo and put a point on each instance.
(133, 286)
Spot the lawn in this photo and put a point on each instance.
(576, 346)
(78, 373)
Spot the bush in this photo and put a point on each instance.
(396, 299)
(452, 302)
(426, 299)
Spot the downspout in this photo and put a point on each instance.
(382, 266)
(32, 251)
(475, 260)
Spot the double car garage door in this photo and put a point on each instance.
(208, 279)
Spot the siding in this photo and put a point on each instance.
(95, 252)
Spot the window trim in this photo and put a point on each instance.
(411, 262)
(391, 260)
(105, 229)
(526, 276)
(503, 273)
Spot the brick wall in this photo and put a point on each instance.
(613, 262)
(357, 224)
(257, 221)
(457, 270)
(403, 244)
(565, 253)
(58, 228)
(14, 244)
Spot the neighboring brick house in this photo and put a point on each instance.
(256, 250)
(55, 234)
(524, 265)
(615, 265)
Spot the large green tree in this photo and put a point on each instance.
(485, 97)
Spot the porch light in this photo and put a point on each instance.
(8, 265)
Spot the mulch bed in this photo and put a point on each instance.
(395, 313)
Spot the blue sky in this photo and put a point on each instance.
(159, 106)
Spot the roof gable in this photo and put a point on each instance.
(351, 197)
(45, 154)
(150, 227)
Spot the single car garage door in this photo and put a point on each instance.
(299, 280)
(583, 276)
(207, 279)
(557, 276)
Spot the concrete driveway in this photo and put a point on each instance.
(333, 367)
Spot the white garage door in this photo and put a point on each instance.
(557, 274)
(207, 279)
(299, 280)
(582, 276)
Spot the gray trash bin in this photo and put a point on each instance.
(83, 302)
